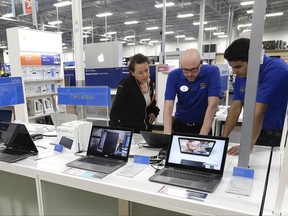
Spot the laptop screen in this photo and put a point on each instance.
(5, 115)
(16, 136)
(197, 152)
(110, 142)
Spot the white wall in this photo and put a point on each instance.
(279, 35)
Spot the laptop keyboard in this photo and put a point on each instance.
(99, 161)
(187, 176)
(13, 152)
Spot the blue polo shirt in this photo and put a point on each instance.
(272, 90)
(193, 96)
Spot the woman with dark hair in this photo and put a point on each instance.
(135, 105)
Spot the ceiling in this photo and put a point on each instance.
(216, 14)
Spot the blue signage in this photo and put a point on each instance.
(69, 74)
(110, 76)
(85, 96)
(11, 91)
(50, 59)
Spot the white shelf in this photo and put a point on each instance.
(40, 95)
(43, 79)
(40, 115)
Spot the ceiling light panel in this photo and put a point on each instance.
(198, 23)
(152, 28)
(180, 36)
(210, 28)
(185, 15)
(274, 14)
(168, 4)
(104, 14)
(56, 22)
(131, 22)
(245, 3)
(62, 4)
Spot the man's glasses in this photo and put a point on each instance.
(192, 70)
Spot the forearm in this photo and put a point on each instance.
(167, 117)
(208, 119)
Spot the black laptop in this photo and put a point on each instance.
(198, 171)
(156, 140)
(17, 142)
(108, 150)
(5, 115)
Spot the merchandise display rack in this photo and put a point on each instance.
(36, 57)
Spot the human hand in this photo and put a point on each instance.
(151, 117)
(234, 150)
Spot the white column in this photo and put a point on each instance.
(201, 26)
(163, 32)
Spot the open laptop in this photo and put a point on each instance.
(108, 150)
(5, 115)
(18, 143)
(194, 171)
(156, 140)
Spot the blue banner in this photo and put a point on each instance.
(85, 96)
(11, 91)
(50, 59)
(110, 76)
(70, 74)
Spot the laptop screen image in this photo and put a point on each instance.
(196, 146)
(111, 142)
(197, 153)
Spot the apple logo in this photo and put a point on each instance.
(101, 57)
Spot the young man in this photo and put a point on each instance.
(271, 99)
(198, 90)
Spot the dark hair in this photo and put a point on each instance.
(238, 50)
(137, 59)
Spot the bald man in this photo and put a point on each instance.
(198, 89)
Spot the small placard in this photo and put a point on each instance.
(58, 148)
(141, 159)
(243, 172)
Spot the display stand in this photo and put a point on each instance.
(98, 96)
(36, 56)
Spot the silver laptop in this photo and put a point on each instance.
(108, 150)
(188, 164)
(18, 143)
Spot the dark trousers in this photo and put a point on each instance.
(269, 138)
(191, 128)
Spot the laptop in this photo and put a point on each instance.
(156, 140)
(18, 143)
(5, 115)
(108, 150)
(193, 170)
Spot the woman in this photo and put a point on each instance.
(135, 105)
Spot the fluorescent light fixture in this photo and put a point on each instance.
(218, 33)
(153, 41)
(152, 28)
(65, 47)
(222, 36)
(63, 44)
(103, 39)
(131, 22)
(129, 36)
(104, 14)
(3, 47)
(62, 4)
(130, 44)
(85, 36)
(169, 32)
(274, 14)
(8, 15)
(210, 28)
(87, 28)
(185, 15)
(180, 36)
(60, 32)
(25, 27)
(246, 30)
(249, 11)
(56, 22)
(189, 38)
(168, 4)
(245, 3)
(111, 33)
(244, 25)
(124, 42)
(145, 39)
(198, 23)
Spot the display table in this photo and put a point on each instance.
(40, 187)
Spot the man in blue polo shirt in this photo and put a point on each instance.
(198, 89)
(271, 98)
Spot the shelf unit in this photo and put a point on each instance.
(36, 57)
